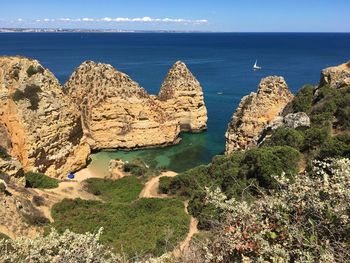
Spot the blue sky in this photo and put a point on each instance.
(211, 15)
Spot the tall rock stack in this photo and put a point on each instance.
(182, 97)
(116, 111)
(43, 128)
(255, 112)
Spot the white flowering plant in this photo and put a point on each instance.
(306, 220)
(57, 248)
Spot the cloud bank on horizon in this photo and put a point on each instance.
(103, 22)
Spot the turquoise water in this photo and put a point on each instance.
(222, 62)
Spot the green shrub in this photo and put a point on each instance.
(38, 180)
(286, 137)
(164, 184)
(34, 70)
(343, 112)
(338, 146)
(124, 190)
(263, 164)
(302, 101)
(136, 167)
(315, 137)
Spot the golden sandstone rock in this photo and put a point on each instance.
(336, 77)
(255, 112)
(118, 113)
(42, 123)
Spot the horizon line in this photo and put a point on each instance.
(86, 30)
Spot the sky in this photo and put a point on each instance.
(201, 15)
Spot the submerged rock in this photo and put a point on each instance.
(255, 112)
(181, 96)
(43, 128)
(116, 111)
(337, 77)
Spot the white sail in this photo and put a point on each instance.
(256, 67)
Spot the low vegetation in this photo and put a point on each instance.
(55, 247)
(30, 93)
(4, 155)
(32, 70)
(3, 236)
(239, 175)
(302, 221)
(39, 180)
(131, 225)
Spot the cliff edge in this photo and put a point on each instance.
(43, 128)
(255, 112)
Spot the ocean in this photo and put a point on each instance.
(222, 62)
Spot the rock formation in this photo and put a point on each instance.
(116, 111)
(182, 97)
(255, 112)
(42, 127)
(336, 77)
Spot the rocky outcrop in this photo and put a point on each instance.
(116, 111)
(42, 126)
(337, 77)
(181, 96)
(255, 112)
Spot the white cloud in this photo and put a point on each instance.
(145, 19)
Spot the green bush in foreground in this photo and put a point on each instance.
(38, 180)
(34, 70)
(131, 225)
(303, 221)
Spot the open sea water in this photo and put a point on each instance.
(222, 62)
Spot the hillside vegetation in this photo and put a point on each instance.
(252, 192)
(132, 226)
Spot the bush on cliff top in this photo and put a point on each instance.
(32, 70)
(39, 180)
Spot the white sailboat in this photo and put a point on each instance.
(256, 67)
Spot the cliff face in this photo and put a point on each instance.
(182, 97)
(337, 77)
(43, 127)
(255, 112)
(116, 111)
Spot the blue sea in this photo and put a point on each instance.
(222, 62)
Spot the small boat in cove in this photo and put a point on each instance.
(256, 67)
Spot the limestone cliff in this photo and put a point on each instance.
(116, 111)
(182, 97)
(255, 112)
(337, 77)
(43, 127)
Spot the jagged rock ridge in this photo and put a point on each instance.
(43, 127)
(255, 112)
(116, 111)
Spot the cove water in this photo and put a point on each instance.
(222, 62)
